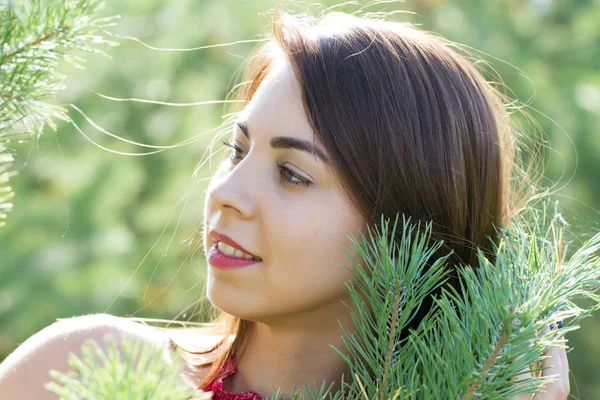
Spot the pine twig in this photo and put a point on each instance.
(38, 36)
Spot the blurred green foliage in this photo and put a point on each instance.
(85, 219)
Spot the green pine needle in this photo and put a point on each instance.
(134, 371)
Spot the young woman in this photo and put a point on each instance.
(345, 119)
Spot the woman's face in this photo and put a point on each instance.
(299, 231)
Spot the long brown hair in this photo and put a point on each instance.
(411, 126)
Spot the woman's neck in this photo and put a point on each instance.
(277, 356)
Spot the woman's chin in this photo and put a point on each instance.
(231, 301)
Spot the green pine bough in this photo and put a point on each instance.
(134, 371)
(38, 36)
(469, 345)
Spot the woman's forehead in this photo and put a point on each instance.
(277, 105)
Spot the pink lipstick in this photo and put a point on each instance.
(220, 260)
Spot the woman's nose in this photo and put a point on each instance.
(230, 190)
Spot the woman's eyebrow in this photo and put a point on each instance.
(288, 142)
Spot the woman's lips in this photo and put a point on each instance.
(221, 237)
(220, 260)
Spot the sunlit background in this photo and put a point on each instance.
(94, 231)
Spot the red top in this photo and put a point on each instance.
(219, 393)
(216, 386)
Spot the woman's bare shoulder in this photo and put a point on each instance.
(25, 371)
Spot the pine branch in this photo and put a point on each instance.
(38, 37)
(136, 371)
(476, 339)
(398, 292)
(489, 362)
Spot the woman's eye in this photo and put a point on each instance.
(236, 148)
(288, 177)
